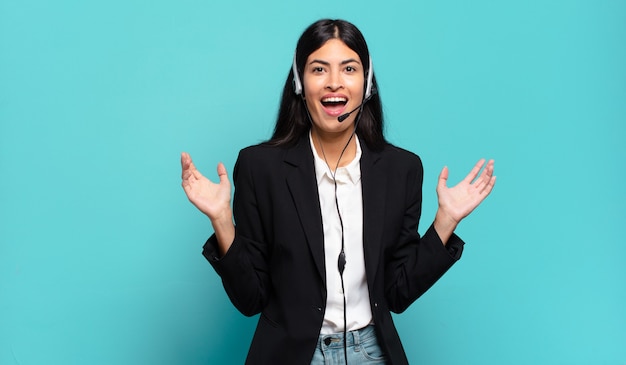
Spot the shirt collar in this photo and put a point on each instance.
(352, 171)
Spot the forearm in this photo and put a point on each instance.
(444, 226)
(417, 266)
(244, 277)
(224, 231)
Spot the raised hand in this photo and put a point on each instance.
(458, 202)
(211, 199)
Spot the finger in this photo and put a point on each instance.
(490, 185)
(184, 158)
(485, 177)
(186, 174)
(443, 178)
(488, 171)
(221, 172)
(186, 184)
(486, 190)
(186, 164)
(472, 174)
(195, 173)
(189, 169)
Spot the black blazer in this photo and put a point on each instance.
(276, 266)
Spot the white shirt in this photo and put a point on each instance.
(350, 198)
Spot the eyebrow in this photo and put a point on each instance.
(326, 63)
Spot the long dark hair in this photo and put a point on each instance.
(293, 121)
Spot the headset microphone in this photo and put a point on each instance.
(345, 116)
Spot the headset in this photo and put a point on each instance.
(297, 82)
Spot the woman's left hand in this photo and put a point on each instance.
(456, 203)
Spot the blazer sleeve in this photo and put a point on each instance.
(416, 262)
(243, 269)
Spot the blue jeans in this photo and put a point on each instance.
(362, 348)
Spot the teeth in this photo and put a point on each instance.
(334, 100)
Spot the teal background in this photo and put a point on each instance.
(100, 250)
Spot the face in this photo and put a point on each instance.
(333, 81)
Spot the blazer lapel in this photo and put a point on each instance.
(302, 186)
(374, 184)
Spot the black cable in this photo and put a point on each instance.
(341, 260)
(341, 265)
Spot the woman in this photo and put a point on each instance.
(325, 243)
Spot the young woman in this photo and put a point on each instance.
(325, 243)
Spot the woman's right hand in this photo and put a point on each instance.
(211, 199)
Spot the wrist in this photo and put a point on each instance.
(224, 231)
(444, 225)
(223, 219)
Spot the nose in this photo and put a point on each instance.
(334, 81)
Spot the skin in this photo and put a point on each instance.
(334, 70)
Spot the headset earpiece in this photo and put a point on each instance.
(370, 80)
(297, 84)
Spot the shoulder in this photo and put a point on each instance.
(296, 153)
(260, 159)
(397, 164)
(260, 153)
(400, 158)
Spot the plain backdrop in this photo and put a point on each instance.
(100, 251)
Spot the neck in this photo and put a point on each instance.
(336, 150)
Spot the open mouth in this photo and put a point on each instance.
(334, 102)
(334, 105)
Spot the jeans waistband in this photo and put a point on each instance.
(353, 337)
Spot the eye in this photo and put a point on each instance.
(318, 69)
(350, 69)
